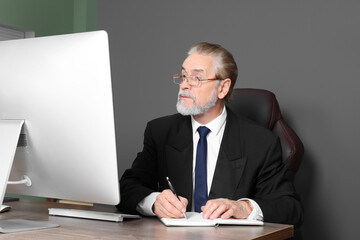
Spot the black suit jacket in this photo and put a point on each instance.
(249, 165)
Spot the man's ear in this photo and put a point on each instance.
(224, 88)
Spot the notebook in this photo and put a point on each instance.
(195, 219)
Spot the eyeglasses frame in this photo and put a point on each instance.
(176, 76)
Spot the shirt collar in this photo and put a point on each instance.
(214, 126)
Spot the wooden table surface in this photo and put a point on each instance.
(144, 228)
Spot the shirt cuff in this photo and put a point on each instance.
(144, 207)
(256, 213)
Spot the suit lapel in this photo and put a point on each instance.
(230, 163)
(179, 157)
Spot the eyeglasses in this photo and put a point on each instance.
(191, 79)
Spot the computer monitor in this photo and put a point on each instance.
(60, 86)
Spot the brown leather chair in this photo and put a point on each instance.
(262, 107)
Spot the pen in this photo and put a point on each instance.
(174, 192)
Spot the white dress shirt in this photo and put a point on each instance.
(217, 127)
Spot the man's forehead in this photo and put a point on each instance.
(193, 70)
(196, 63)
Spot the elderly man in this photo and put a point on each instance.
(220, 164)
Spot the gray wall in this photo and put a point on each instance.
(306, 52)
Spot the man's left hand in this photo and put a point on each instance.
(226, 208)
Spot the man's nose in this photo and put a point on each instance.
(185, 84)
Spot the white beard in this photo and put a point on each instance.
(195, 109)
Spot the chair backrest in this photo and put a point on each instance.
(262, 107)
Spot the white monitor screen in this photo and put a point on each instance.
(61, 86)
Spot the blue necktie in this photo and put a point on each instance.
(200, 193)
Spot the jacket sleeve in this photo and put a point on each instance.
(275, 193)
(141, 179)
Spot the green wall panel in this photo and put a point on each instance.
(50, 17)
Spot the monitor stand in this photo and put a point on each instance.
(4, 208)
(9, 136)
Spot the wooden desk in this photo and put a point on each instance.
(145, 228)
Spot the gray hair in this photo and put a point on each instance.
(224, 66)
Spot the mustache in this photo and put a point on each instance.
(186, 94)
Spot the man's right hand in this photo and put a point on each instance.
(167, 205)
